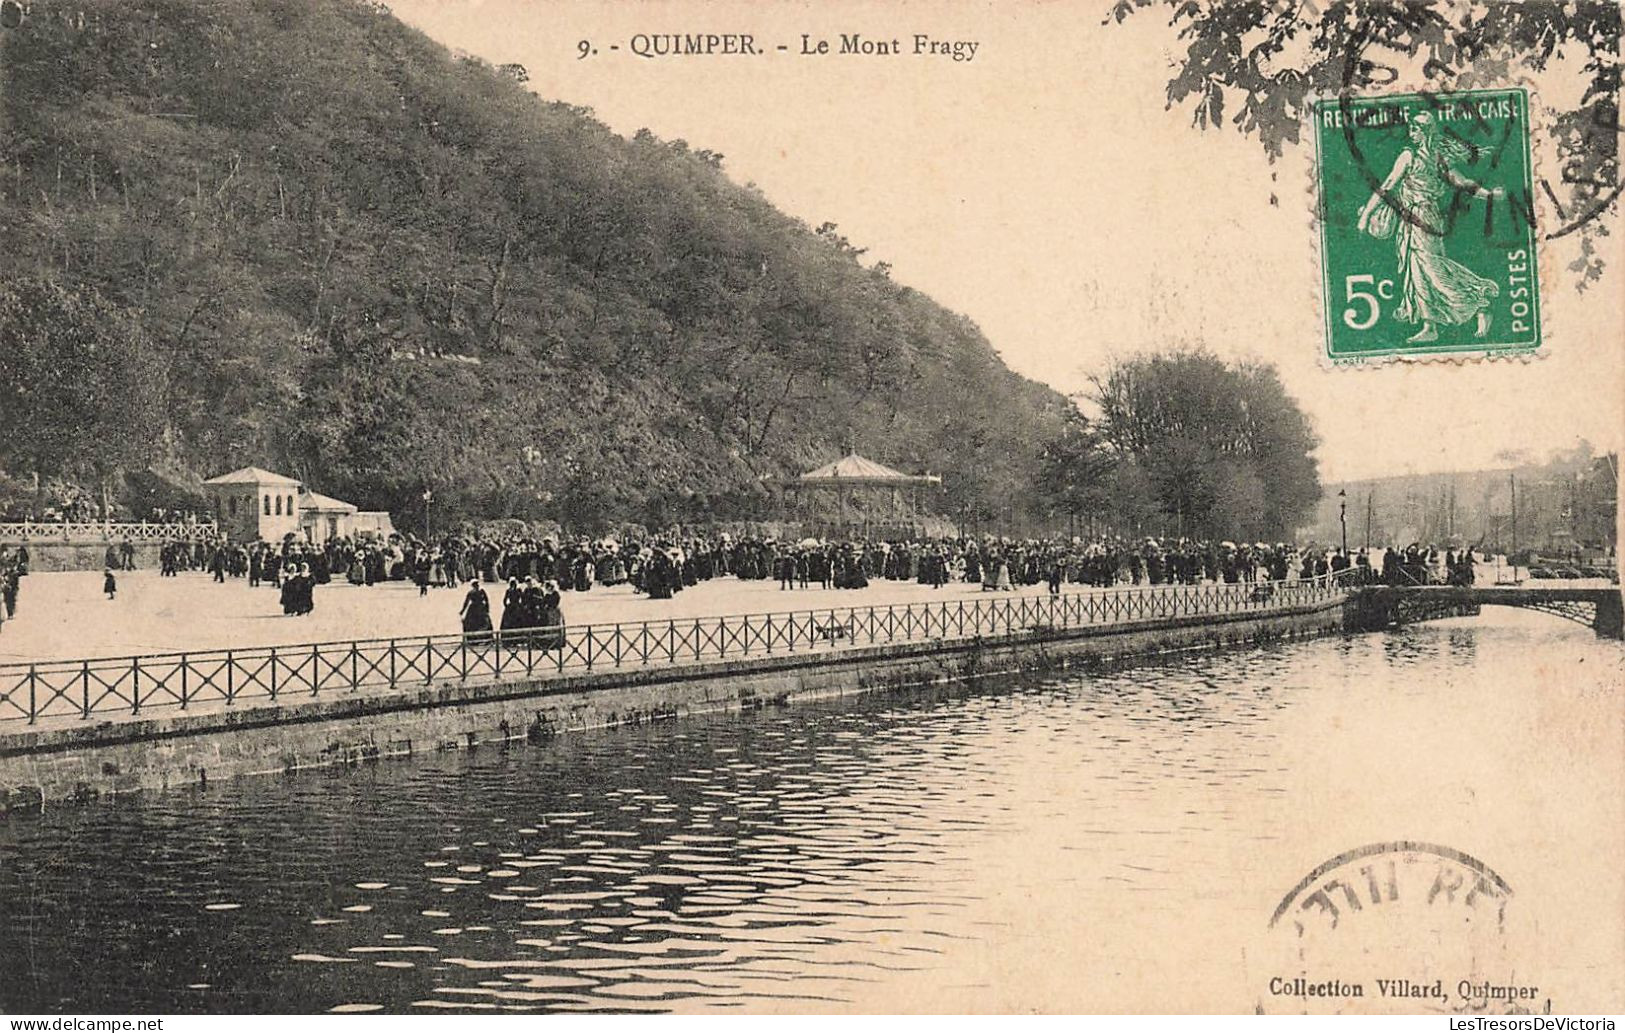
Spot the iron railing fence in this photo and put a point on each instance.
(81, 689)
(99, 531)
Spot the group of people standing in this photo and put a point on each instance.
(531, 612)
(298, 592)
(1418, 564)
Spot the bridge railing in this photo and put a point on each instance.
(99, 531)
(79, 690)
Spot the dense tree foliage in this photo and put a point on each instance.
(77, 373)
(1261, 63)
(381, 267)
(1186, 444)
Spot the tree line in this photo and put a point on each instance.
(299, 234)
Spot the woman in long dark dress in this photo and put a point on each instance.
(531, 607)
(513, 607)
(289, 595)
(550, 619)
(657, 575)
(476, 612)
(307, 591)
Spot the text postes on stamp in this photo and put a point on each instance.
(1427, 225)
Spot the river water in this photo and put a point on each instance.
(1115, 841)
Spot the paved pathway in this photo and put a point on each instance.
(65, 616)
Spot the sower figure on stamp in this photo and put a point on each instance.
(1434, 288)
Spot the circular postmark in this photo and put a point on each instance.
(1402, 927)
(1591, 187)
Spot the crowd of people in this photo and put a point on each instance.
(537, 570)
(664, 565)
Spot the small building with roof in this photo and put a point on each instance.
(857, 494)
(255, 503)
(323, 517)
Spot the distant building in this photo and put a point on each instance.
(372, 521)
(254, 503)
(322, 517)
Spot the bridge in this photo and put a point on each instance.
(1596, 606)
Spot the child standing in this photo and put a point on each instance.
(109, 582)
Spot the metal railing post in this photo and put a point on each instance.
(753, 634)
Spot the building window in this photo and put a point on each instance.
(290, 505)
(279, 505)
(231, 504)
(267, 505)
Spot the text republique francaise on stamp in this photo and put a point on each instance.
(1427, 225)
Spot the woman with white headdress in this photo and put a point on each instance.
(513, 608)
(550, 620)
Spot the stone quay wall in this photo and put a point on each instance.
(47, 556)
(108, 759)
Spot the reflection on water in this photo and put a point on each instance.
(823, 857)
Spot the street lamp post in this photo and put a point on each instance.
(428, 496)
(1343, 517)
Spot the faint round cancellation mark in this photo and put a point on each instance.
(1588, 198)
(1400, 926)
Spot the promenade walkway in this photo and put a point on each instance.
(65, 615)
(55, 687)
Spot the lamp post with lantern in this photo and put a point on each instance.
(1343, 517)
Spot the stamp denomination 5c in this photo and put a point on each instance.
(1427, 225)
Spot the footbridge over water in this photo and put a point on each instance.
(1596, 606)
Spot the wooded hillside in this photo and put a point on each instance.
(298, 234)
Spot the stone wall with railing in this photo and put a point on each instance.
(84, 690)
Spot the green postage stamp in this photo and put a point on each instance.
(1427, 226)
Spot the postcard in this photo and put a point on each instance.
(524, 506)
